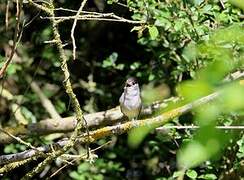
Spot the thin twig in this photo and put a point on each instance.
(78, 157)
(7, 14)
(197, 127)
(28, 23)
(16, 36)
(189, 14)
(101, 17)
(222, 4)
(19, 140)
(75, 11)
(74, 25)
(88, 137)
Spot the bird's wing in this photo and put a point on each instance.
(122, 98)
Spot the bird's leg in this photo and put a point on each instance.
(134, 121)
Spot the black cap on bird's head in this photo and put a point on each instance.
(130, 82)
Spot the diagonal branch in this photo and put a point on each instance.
(114, 130)
(15, 40)
(68, 124)
(98, 119)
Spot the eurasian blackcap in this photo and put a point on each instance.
(130, 100)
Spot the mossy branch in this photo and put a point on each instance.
(112, 130)
(69, 91)
(68, 124)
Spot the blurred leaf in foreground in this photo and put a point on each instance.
(208, 141)
(238, 3)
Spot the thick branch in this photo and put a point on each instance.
(113, 130)
(68, 124)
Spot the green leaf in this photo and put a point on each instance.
(74, 175)
(177, 174)
(120, 66)
(60, 106)
(238, 3)
(192, 90)
(192, 155)
(233, 97)
(189, 52)
(198, 2)
(10, 148)
(28, 114)
(137, 135)
(208, 176)
(11, 69)
(83, 167)
(110, 61)
(135, 65)
(151, 77)
(191, 174)
(153, 31)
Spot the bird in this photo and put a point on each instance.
(130, 100)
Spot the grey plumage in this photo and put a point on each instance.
(130, 100)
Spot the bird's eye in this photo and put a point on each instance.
(128, 85)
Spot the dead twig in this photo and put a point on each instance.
(161, 129)
(74, 25)
(96, 17)
(78, 157)
(19, 139)
(15, 40)
(6, 15)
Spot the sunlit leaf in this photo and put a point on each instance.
(191, 174)
(192, 155)
(233, 97)
(153, 31)
(238, 3)
(137, 135)
(208, 176)
(191, 90)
